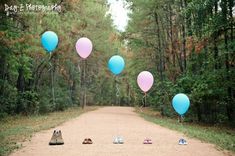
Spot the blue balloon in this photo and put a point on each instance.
(181, 103)
(49, 41)
(116, 64)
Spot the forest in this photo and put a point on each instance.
(188, 45)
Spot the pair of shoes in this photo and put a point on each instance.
(118, 140)
(182, 142)
(87, 141)
(147, 141)
(56, 138)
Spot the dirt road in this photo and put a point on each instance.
(103, 125)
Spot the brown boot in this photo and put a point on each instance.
(89, 141)
(59, 140)
(85, 141)
(53, 138)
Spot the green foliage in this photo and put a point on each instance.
(189, 47)
(28, 74)
(8, 99)
(28, 103)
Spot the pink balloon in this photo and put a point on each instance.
(84, 47)
(145, 81)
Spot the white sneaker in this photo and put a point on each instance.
(120, 140)
(116, 140)
(181, 142)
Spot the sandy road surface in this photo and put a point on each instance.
(105, 123)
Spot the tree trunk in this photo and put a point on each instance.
(2, 74)
(183, 4)
(229, 105)
(21, 80)
(216, 51)
(172, 37)
(232, 91)
(231, 5)
(159, 47)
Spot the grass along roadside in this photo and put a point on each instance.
(222, 137)
(16, 129)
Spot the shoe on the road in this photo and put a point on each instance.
(56, 138)
(53, 138)
(150, 141)
(89, 141)
(59, 140)
(115, 141)
(85, 141)
(181, 142)
(147, 141)
(120, 140)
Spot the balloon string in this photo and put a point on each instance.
(143, 101)
(52, 81)
(182, 120)
(117, 90)
(84, 79)
(145, 98)
(50, 62)
(117, 102)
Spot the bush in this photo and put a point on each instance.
(8, 98)
(62, 99)
(28, 103)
